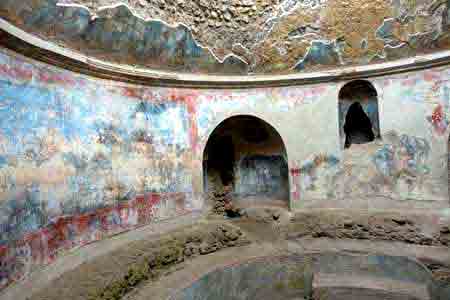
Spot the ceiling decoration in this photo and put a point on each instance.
(238, 37)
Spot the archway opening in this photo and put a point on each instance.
(358, 113)
(247, 157)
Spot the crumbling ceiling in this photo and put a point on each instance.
(237, 37)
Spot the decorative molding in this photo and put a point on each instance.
(16, 39)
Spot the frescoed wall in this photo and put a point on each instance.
(82, 158)
(407, 162)
(263, 176)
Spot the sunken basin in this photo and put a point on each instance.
(324, 276)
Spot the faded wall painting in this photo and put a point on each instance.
(81, 160)
(263, 176)
(398, 167)
(409, 159)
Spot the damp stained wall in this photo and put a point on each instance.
(82, 158)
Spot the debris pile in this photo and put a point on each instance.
(222, 202)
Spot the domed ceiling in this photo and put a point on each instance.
(237, 37)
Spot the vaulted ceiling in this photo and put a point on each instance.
(237, 37)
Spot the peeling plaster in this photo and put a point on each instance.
(288, 37)
(117, 34)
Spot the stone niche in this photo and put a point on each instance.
(358, 113)
(248, 154)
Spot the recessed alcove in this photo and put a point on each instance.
(247, 155)
(358, 113)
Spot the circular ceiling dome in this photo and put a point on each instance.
(234, 37)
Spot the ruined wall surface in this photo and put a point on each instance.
(408, 163)
(82, 158)
(238, 36)
(262, 176)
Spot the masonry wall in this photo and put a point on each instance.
(82, 159)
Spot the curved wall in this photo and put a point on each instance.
(82, 158)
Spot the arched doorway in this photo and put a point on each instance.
(247, 156)
(358, 113)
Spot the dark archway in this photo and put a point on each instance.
(246, 155)
(358, 113)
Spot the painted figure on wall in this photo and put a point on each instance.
(439, 120)
(398, 169)
(80, 164)
(318, 177)
(403, 164)
(262, 175)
